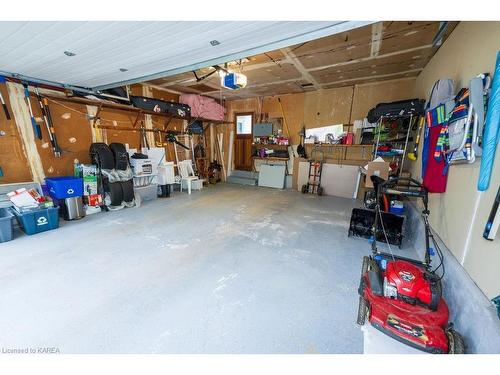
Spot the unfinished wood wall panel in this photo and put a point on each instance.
(73, 136)
(324, 107)
(13, 160)
(73, 129)
(327, 107)
(293, 111)
(369, 95)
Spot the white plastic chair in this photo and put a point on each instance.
(186, 173)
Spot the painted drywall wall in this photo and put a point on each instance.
(471, 49)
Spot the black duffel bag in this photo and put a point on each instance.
(402, 108)
(161, 106)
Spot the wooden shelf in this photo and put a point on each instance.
(260, 145)
(126, 108)
(336, 145)
(270, 158)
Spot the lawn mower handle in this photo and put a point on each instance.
(390, 187)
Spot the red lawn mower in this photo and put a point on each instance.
(402, 297)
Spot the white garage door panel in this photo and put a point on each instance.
(146, 49)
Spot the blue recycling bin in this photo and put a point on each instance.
(64, 187)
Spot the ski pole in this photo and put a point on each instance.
(36, 127)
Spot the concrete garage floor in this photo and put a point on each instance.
(231, 269)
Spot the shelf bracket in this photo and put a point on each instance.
(137, 119)
(167, 123)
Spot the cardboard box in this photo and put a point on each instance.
(377, 168)
(88, 172)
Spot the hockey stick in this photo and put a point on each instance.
(36, 128)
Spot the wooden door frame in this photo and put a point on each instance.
(236, 114)
(243, 136)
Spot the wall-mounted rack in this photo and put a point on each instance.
(101, 105)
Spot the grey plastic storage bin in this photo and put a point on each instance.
(146, 193)
(5, 224)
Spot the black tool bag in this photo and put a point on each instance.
(161, 106)
(402, 108)
(280, 154)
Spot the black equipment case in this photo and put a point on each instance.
(362, 221)
(402, 108)
(161, 106)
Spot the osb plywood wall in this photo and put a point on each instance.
(74, 135)
(324, 107)
(13, 159)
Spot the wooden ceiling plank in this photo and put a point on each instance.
(290, 56)
(373, 77)
(363, 59)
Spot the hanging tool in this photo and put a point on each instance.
(36, 127)
(144, 139)
(414, 154)
(47, 119)
(301, 150)
(159, 141)
(286, 126)
(171, 137)
(5, 109)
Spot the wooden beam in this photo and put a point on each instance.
(162, 88)
(376, 42)
(290, 56)
(136, 119)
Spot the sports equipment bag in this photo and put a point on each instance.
(161, 106)
(400, 108)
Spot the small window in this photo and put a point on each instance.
(243, 124)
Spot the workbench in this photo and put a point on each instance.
(270, 159)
